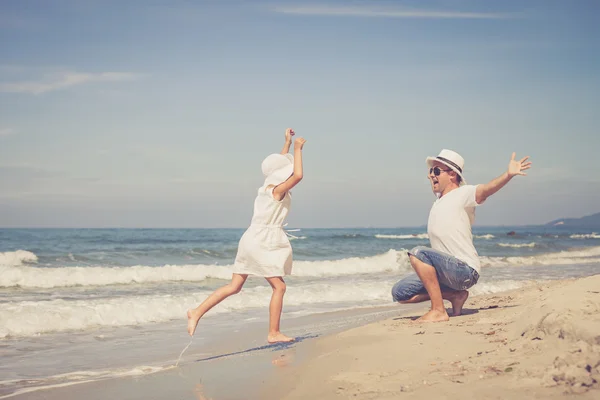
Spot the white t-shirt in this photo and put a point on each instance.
(449, 225)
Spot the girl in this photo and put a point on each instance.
(264, 249)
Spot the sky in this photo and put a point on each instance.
(159, 113)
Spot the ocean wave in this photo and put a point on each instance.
(348, 236)
(582, 256)
(490, 287)
(517, 245)
(35, 277)
(425, 236)
(396, 261)
(29, 318)
(15, 258)
(592, 235)
(412, 236)
(390, 261)
(297, 237)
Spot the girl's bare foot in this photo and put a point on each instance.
(279, 338)
(192, 322)
(434, 316)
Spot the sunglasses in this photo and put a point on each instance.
(437, 171)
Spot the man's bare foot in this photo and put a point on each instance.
(458, 301)
(192, 322)
(279, 338)
(434, 316)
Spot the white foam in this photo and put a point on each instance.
(592, 235)
(15, 258)
(517, 245)
(391, 261)
(31, 277)
(78, 377)
(585, 256)
(413, 236)
(28, 318)
(482, 288)
(424, 236)
(297, 237)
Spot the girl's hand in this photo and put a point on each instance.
(289, 132)
(299, 142)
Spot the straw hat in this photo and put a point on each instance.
(452, 159)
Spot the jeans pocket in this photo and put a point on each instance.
(472, 280)
(467, 284)
(475, 278)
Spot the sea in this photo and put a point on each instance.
(88, 304)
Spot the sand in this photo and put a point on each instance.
(539, 342)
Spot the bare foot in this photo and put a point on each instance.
(458, 301)
(199, 392)
(279, 338)
(192, 322)
(434, 316)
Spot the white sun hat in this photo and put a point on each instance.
(277, 168)
(452, 159)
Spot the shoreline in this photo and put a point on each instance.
(247, 359)
(538, 342)
(534, 342)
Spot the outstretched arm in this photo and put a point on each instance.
(280, 190)
(514, 168)
(289, 132)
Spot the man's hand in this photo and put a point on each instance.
(514, 168)
(517, 167)
(289, 132)
(298, 143)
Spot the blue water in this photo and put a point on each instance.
(62, 290)
(157, 247)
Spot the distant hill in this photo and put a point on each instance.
(588, 221)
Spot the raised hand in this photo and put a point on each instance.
(289, 132)
(517, 167)
(299, 143)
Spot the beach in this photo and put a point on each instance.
(101, 313)
(542, 342)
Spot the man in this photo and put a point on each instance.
(451, 266)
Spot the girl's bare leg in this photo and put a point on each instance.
(233, 287)
(275, 307)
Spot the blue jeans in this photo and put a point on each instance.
(452, 273)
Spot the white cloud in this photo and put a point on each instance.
(7, 131)
(386, 12)
(65, 80)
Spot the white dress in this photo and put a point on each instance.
(264, 249)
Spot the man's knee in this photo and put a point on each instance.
(399, 296)
(418, 253)
(415, 251)
(403, 290)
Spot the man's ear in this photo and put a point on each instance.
(453, 174)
